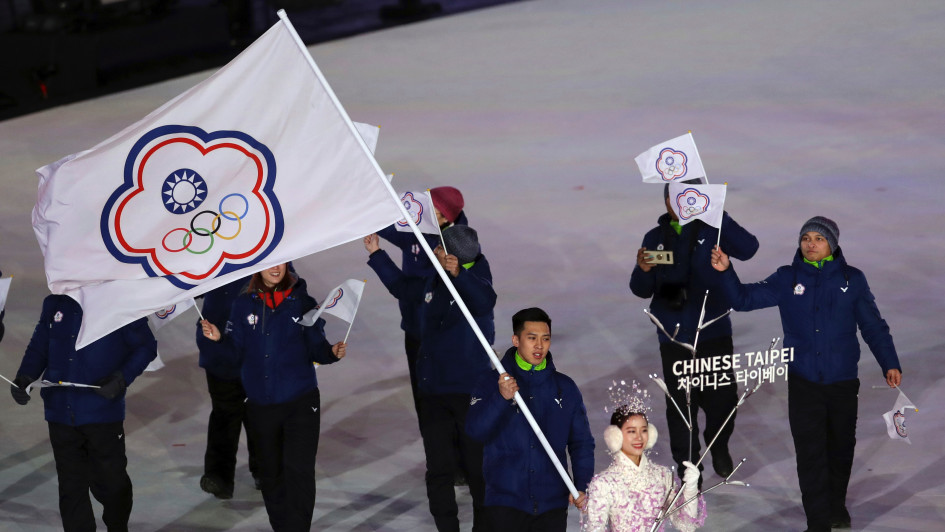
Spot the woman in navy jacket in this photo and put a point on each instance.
(276, 357)
(822, 302)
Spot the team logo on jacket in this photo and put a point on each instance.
(691, 202)
(252, 319)
(428, 297)
(798, 289)
(671, 164)
(57, 317)
(194, 205)
(659, 247)
(473, 400)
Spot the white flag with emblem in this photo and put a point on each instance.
(896, 418)
(165, 315)
(674, 160)
(342, 302)
(420, 207)
(254, 167)
(698, 202)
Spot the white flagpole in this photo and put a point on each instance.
(351, 323)
(198, 309)
(8, 380)
(436, 263)
(706, 176)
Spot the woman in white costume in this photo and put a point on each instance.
(628, 495)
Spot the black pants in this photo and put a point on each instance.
(717, 403)
(92, 458)
(443, 427)
(227, 417)
(505, 519)
(285, 436)
(823, 424)
(412, 349)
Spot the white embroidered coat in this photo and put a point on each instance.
(627, 497)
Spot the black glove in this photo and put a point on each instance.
(18, 389)
(112, 386)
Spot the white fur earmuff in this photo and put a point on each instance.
(613, 437)
(653, 433)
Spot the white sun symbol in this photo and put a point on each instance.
(185, 190)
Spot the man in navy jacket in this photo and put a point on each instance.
(450, 361)
(822, 301)
(677, 291)
(86, 425)
(524, 491)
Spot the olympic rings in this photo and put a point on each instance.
(238, 219)
(216, 223)
(208, 233)
(186, 244)
(199, 252)
(245, 209)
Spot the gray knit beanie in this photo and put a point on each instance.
(461, 241)
(826, 227)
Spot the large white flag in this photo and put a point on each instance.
(896, 418)
(420, 207)
(698, 202)
(342, 302)
(255, 166)
(674, 160)
(165, 315)
(4, 291)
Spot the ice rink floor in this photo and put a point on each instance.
(535, 111)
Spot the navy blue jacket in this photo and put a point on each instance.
(821, 309)
(517, 470)
(692, 250)
(275, 353)
(215, 357)
(451, 358)
(51, 354)
(415, 263)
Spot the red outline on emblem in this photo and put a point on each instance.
(203, 151)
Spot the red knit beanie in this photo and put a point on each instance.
(447, 200)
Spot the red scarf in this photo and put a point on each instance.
(274, 299)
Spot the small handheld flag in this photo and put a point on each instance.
(674, 160)
(698, 202)
(896, 418)
(165, 315)
(419, 205)
(342, 302)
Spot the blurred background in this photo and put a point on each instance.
(59, 51)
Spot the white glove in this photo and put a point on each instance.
(690, 481)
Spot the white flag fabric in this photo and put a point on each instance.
(369, 134)
(155, 364)
(896, 419)
(255, 166)
(4, 291)
(698, 202)
(342, 302)
(674, 160)
(420, 207)
(165, 315)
